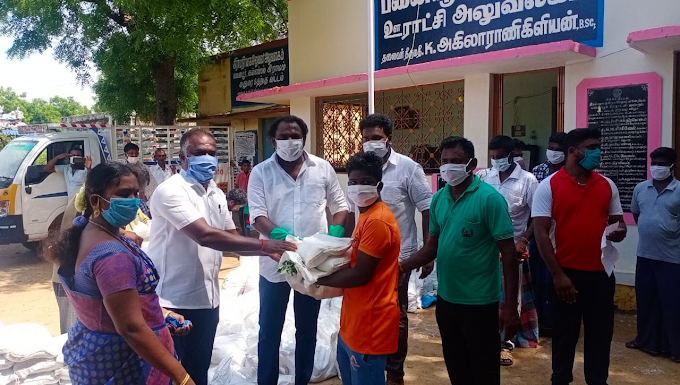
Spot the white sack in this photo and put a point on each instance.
(7, 377)
(42, 379)
(239, 320)
(21, 342)
(5, 363)
(35, 366)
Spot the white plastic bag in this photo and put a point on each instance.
(414, 287)
(313, 290)
(316, 249)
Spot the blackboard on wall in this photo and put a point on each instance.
(622, 116)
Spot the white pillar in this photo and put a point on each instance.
(305, 108)
(478, 118)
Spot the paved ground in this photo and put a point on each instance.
(26, 296)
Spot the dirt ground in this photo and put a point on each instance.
(26, 296)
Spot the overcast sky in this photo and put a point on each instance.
(40, 76)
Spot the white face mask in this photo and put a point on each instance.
(500, 164)
(554, 157)
(454, 173)
(132, 159)
(289, 150)
(660, 172)
(377, 146)
(363, 195)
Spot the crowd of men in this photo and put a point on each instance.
(513, 248)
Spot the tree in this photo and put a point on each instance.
(39, 110)
(149, 52)
(68, 106)
(10, 100)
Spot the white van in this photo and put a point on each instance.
(33, 200)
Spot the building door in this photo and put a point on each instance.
(267, 147)
(529, 106)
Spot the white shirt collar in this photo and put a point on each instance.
(194, 183)
(393, 159)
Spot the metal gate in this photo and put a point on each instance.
(422, 116)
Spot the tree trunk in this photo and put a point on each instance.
(166, 93)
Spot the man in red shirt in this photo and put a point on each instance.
(369, 322)
(243, 176)
(582, 203)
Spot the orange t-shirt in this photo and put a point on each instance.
(369, 320)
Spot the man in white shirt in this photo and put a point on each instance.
(405, 189)
(187, 239)
(73, 174)
(135, 162)
(160, 171)
(288, 195)
(517, 187)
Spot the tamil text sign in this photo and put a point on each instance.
(259, 70)
(419, 31)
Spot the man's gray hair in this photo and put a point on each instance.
(239, 196)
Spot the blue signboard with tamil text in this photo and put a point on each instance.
(420, 31)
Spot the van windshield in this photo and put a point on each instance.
(11, 157)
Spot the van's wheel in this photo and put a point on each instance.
(33, 246)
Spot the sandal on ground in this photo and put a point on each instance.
(634, 345)
(506, 357)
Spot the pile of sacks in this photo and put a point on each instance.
(234, 360)
(317, 256)
(29, 355)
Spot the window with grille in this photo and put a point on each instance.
(422, 116)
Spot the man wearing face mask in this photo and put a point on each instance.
(405, 189)
(192, 226)
(469, 226)
(518, 153)
(540, 275)
(370, 314)
(656, 208)
(582, 203)
(288, 195)
(517, 187)
(134, 161)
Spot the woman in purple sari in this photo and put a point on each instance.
(121, 335)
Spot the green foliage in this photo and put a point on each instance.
(39, 110)
(148, 52)
(4, 139)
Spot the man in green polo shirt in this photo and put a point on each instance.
(469, 225)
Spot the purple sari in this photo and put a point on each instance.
(95, 353)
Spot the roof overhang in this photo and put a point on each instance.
(248, 112)
(656, 39)
(548, 55)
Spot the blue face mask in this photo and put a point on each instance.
(591, 160)
(121, 211)
(202, 168)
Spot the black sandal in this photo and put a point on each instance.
(633, 345)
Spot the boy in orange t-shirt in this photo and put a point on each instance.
(369, 321)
